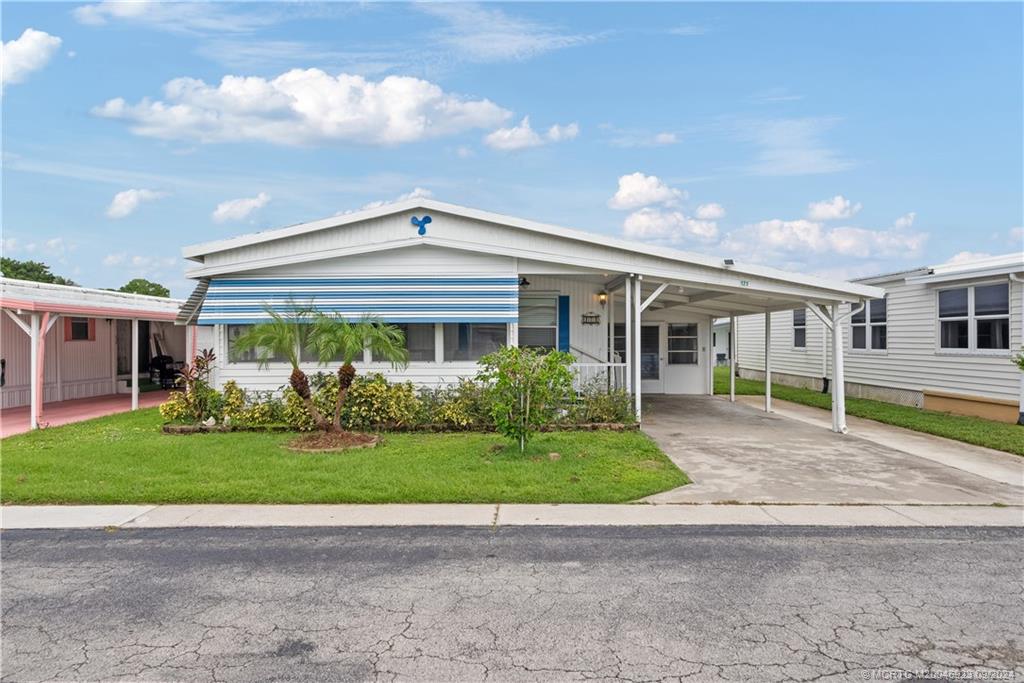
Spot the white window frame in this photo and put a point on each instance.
(795, 327)
(867, 325)
(972, 320)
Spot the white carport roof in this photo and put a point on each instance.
(695, 281)
(23, 295)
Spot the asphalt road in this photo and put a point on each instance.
(702, 603)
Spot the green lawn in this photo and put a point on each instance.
(974, 430)
(126, 459)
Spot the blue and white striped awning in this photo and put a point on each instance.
(393, 299)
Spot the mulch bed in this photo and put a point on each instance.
(322, 442)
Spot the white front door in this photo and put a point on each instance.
(652, 358)
(686, 358)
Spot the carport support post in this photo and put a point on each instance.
(767, 362)
(838, 376)
(732, 358)
(33, 362)
(135, 363)
(636, 345)
(628, 332)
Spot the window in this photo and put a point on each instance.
(250, 356)
(800, 329)
(470, 341)
(682, 344)
(869, 326)
(983, 310)
(538, 322)
(419, 340)
(78, 330)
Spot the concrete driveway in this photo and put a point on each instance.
(736, 452)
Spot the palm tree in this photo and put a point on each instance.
(334, 337)
(283, 336)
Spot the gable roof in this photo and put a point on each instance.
(846, 290)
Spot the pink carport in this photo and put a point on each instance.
(34, 308)
(16, 420)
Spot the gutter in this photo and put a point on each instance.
(1020, 282)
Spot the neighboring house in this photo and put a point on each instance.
(721, 340)
(468, 281)
(64, 342)
(940, 339)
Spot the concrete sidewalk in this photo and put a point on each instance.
(488, 515)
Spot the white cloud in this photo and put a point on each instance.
(1017, 236)
(832, 209)
(660, 225)
(791, 147)
(710, 212)
(557, 133)
(688, 30)
(8, 245)
(29, 52)
(126, 202)
(114, 259)
(481, 34)
(239, 209)
(781, 238)
(632, 137)
(416, 193)
(524, 136)
(636, 190)
(905, 221)
(176, 17)
(464, 152)
(966, 257)
(302, 107)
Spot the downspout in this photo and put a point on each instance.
(1020, 403)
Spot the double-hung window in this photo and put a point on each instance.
(870, 326)
(975, 318)
(538, 321)
(800, 329)
(419, 342)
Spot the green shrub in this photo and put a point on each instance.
(528, 389)
(595, 403)
(234, 400)
(294, 412)
(176, 408)
(375, 403)
(465, 405)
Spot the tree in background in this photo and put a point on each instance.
(31, 270)
(143, 286)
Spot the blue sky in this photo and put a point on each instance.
(839, 139)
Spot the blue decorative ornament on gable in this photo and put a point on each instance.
(421, 223)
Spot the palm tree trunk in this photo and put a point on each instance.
(346, 374)
(300, 384)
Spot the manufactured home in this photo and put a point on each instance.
(462, 282)
(59, 343)
(941, 338)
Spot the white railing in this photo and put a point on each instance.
(610, 376)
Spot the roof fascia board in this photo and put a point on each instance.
(937, 278)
